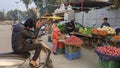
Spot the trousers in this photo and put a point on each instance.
(54, 47)
(30, 47)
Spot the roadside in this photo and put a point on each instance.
(87, 60)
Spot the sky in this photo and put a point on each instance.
(11, 5)
(7, 5)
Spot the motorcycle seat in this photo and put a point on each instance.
(15, 55)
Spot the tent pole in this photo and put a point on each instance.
(82, 8)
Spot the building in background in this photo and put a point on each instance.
(96, 16)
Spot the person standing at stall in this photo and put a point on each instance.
(70, 26)
(55, 34)
(105, 22)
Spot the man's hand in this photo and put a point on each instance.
(38, 25)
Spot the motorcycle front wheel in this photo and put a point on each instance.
(49, 64)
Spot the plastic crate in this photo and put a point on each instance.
(61, 45)
(72, 49)
(60, 50)
(105, 57)
(108, 64)
(117, 64)
(72, 56)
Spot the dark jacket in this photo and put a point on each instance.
(20, 35)
(105, 24)
(70, 26)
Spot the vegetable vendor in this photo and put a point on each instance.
(70, 27)
(105, 22)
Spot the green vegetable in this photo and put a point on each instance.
(77, 25)
(85, 31)
(62, 28)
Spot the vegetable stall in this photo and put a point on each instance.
(95, 36)
(104, 41)
(106, 44)
(109, 56)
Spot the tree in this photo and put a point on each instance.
(45, 5)
(39, 4)
(13, 15)
(2, 16)
(27, 2)
(32, 14)
(116, 4)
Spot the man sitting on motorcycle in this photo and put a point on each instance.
(21, 32)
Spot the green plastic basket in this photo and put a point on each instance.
(60, 50)
(108, 64)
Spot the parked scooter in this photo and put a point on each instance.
(15, 60)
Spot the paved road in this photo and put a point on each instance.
(5, 38)
(87, 60)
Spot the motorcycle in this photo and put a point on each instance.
(15, 60)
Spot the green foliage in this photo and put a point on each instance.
(38, 3)
(12, 15)
(51, 9)
(31, 14)
(26, 2)
(52, 1)
(50, 6)
(2, 16)
(72, 0)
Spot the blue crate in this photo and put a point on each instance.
(72, 56)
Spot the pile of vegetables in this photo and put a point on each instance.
(109, 30)
(85, 31)
(115, 38)
(62, 27)
(73, 41)
(109, 50)
(99, 32)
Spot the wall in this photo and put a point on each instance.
(96, 17)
